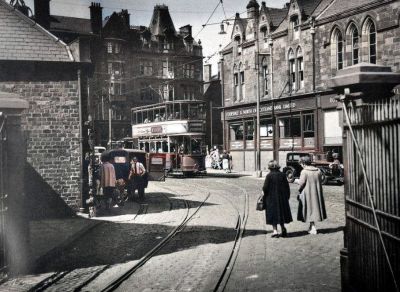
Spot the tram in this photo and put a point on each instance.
(173, 134)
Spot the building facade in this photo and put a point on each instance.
(42, 70)
(283, 59)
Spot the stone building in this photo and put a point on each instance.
(41, 69)
(284, 58)
(133, 65)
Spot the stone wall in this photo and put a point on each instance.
(52, 126)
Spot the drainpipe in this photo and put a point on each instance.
(81, 203)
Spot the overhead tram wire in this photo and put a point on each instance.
(209, 18)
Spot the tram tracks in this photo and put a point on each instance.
(221, 282)
(57, 278)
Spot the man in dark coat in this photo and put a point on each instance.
(138, 178)
(276, 199)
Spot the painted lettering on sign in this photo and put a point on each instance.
(157, 129)
(263, 109)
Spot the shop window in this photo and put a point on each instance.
(290, 127)
(249, 130)
(266, 128)
(308, 125)
(236, 132)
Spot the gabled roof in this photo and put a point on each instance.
(339, 6)
(23, 39)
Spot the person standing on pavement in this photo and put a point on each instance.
(311, 195)
(137, 177)
(107, 178)
(276, 199)
(226, 162)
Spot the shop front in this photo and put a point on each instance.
(285, 125)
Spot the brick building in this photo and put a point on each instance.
(133, 65)
(42, 69)
(286, 57)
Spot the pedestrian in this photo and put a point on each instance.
(311, 198)
(276, 199)
(107, 178)
(137, 177)
(225, 162)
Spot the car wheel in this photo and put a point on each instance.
(324, 179)
(290, 175)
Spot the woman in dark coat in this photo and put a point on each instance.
(276, 199)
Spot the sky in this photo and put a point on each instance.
(183, 12)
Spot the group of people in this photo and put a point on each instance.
(108, 181)
(223, 161)
(276, 191)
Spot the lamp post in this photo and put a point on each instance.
(257, 67)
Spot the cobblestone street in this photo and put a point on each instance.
(195, 258)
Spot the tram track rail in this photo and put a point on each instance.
(57, 277)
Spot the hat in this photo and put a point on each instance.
(273, 164)
(306, 160)
(134, 158)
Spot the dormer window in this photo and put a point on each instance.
(264, 33)
(168, 45)
(294, 28)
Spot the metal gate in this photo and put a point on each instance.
(372, 150)
(3, 195)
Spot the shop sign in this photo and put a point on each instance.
(156, 161)
(329, 101)
(286, 143)
(196, 127)
(238, 113)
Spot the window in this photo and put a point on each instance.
(241, 85)
(265, 73)
(113, 47)
(236, 132)
(146, 68)
(292, 71)
(188, 70)
(109, 47)
(339, 50)
(235, 84)
(168, 45)
(117, 88)
(294, 27)
(354, 45)
(168, 69)
(237, 48)
(266, 128)
(300, 68)
(372, 42)
(115, 68)
(308, 125)
(146, 92)
(249, 126)
(188, 92)
(290, 127)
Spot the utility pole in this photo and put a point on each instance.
(257, 67)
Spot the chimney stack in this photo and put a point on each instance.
(96, 17)
(42, 12)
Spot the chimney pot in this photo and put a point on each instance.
(42, 12)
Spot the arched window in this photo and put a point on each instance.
(337, 49)
(300, 68)
(235, 83)
(355, 45)
(292, 71)
(371, 30)
(265, 73)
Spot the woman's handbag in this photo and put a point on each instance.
(260, 204)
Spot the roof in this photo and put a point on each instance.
(338, 6)
(23, 39)
(70, 24)
(308, 6)
(161, 21)
(277, 15)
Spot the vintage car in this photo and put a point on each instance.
(331, 172)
